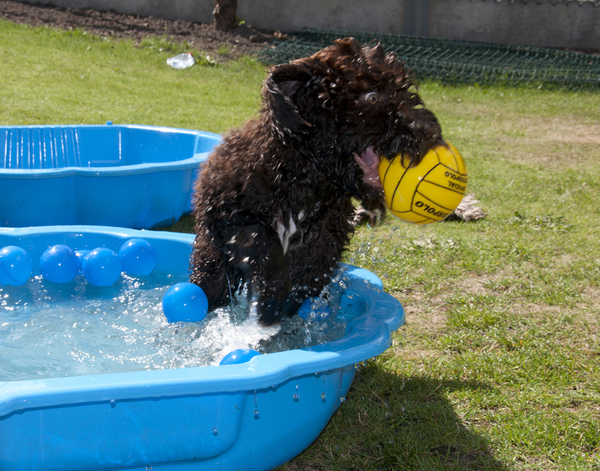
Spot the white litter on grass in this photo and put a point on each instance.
(181, 61)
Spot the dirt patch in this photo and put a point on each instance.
(430, 322)
(238, 41)
(560, 130)
(553, 141)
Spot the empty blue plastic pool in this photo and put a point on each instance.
(118, 175)
(249, 416)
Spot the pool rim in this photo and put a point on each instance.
(113, 171)
(367, 336)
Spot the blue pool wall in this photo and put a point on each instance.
(119, 175)
(251, 416)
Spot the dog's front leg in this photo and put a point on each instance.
(209, 270)
(258, 252)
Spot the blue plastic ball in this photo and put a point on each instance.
(138, 257)
(16, 266)
(59, 264)
(4, 277)
(242, 355)
(101, 267)
(317, 312)
(185, 302)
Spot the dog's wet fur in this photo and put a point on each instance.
(274, 201)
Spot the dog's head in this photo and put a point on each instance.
(345, 106)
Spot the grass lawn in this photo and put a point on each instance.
(497, 367)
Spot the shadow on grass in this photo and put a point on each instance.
(391, 422)
(395, 422)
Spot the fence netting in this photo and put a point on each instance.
(594, 3)
(459, 62)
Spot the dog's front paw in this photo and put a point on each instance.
(364, 216)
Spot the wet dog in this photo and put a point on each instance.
(274, 202)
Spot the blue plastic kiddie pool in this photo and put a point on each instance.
(249, 416)
(118, 175)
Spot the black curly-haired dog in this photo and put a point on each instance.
(274, 202)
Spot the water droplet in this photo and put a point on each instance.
(296, 397)
(113, 403)
(256, 414)
(149, 468)
(342, 399)
(215, 431)
(323, 397)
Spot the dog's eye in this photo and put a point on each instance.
(372, 97)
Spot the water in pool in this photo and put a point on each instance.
(50, 330)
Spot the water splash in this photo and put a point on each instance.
(49, 330)
(256, 411)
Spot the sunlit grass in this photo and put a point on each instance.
(497, 367)
(74, 78)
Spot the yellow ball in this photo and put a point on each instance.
(428, 192)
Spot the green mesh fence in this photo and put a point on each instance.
(459, 62)
(594, 3)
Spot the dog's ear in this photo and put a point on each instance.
(280, 97)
